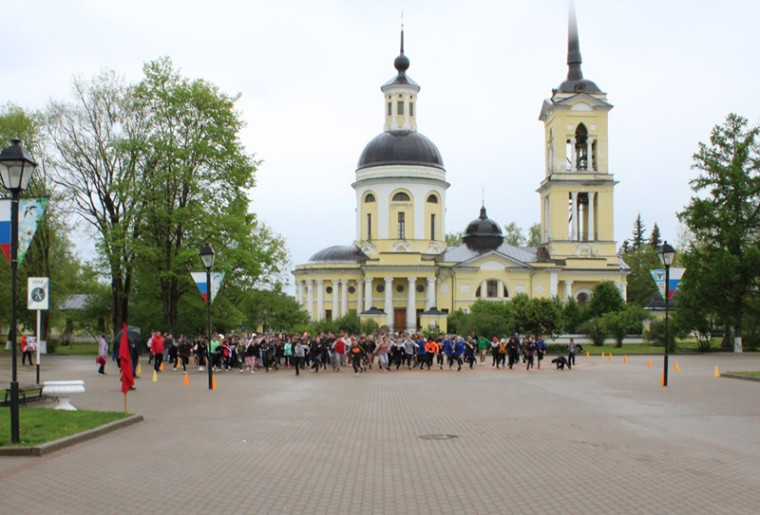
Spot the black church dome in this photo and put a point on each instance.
(483, 233)
(400, 148)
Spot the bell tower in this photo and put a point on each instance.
(577, 192)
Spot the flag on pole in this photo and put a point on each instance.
(200, 282)
(658, 275)
(125, 362)
(30, 212)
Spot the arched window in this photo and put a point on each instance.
(401, 197)
(581, 148)
(432, 199)
(369, 198)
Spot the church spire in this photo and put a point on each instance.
(574, 59)
(575, 82)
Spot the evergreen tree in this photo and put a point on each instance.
(639, 233)
(654, 238)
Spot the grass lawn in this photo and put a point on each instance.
(41, 425)
(748, 373)
(78, 349)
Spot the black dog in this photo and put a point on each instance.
(561, 361)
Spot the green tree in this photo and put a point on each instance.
(534, 235)
(655, 241)
(572, 315)
(272, 310)
(513, 235)
(454, 239)
(95, 165)
(639, 233)
(641, 287)
(537, 316)
(605, 298)
(619, 324)
(196, 178)
(723, 261)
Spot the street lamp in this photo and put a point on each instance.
(207, 256)
(666, 254)
(16, 169)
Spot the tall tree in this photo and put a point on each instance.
(96, 167)
(724, 219)
(654, 237)
(641, 286)
(639, 233)
(534, 235)
(196, 175)
(454, 239)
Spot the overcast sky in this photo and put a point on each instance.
(310, 72)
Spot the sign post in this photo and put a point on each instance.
(38, 291)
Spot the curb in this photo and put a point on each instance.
(739, 376)
(61, 443)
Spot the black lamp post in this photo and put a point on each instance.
(16, 169)
(666, 254)
(207, 256)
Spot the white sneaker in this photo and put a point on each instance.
(202, 369)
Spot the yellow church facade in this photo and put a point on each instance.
(399, 270)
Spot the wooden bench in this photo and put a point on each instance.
(29, 392)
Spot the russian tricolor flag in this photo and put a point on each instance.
(200, 282)
(5, 229)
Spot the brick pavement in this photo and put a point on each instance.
(603, 438)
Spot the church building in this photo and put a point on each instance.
(399, 270)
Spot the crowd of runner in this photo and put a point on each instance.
(247, 353)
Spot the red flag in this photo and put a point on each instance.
(125, 362)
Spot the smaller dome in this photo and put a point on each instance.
(401, 63)
(339, 254)
(483, 233)
(400, 148)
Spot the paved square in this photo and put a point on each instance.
(602, 438)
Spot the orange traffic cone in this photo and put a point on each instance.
(625, 358)
(588, 354)
(155, 377)
(610, 356)
(662, 379)
(138, 371)
(161, 366)
(675, 366)
(602, 355)
(187, 380)
(213, 382)
(716, 373)
(649, 362)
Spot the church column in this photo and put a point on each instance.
(576, 213)
(299, 293)
(411, 307)
(553, 283)
(310, 298)
(359, 297)
(484, 289)
(367, 293)
(343, 297)
(430, 293)
(568, 288)
(573, 157)
(591, 225)
(389, 302)
(335, 284)
(589, 142)
(320, 299)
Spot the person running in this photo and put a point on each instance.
(381, 351)
(299, 353)
(431, 351)
(530, 353)
(184, 350)
(357, 354)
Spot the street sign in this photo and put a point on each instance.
(38, 293)
(658, 275)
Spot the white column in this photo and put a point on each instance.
(573, 162)
(411, 307)
(320, 299)
(389, 301)
(299, 292)
(576, 212)
(359, 297)
(484, 290)
(367, 293)
(335, 284)
(430, 293)
(568, 288)
(553, 283)
(591, 225)
(343, 297)
(588, 154)
(310, 298)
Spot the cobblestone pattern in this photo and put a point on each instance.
(602, 438)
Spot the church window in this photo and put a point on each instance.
(390, 108)
(401, 197)
(402, 226)
(351, 290)
(411, 109)
(400, 288)
(581, 148)
(369, 226)
(593, 156)
(420, 288)
(432, 199)
(380, 288)
(432, 226)
(369, 198)
(492, 287)
(328, 290)
(400, 108)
